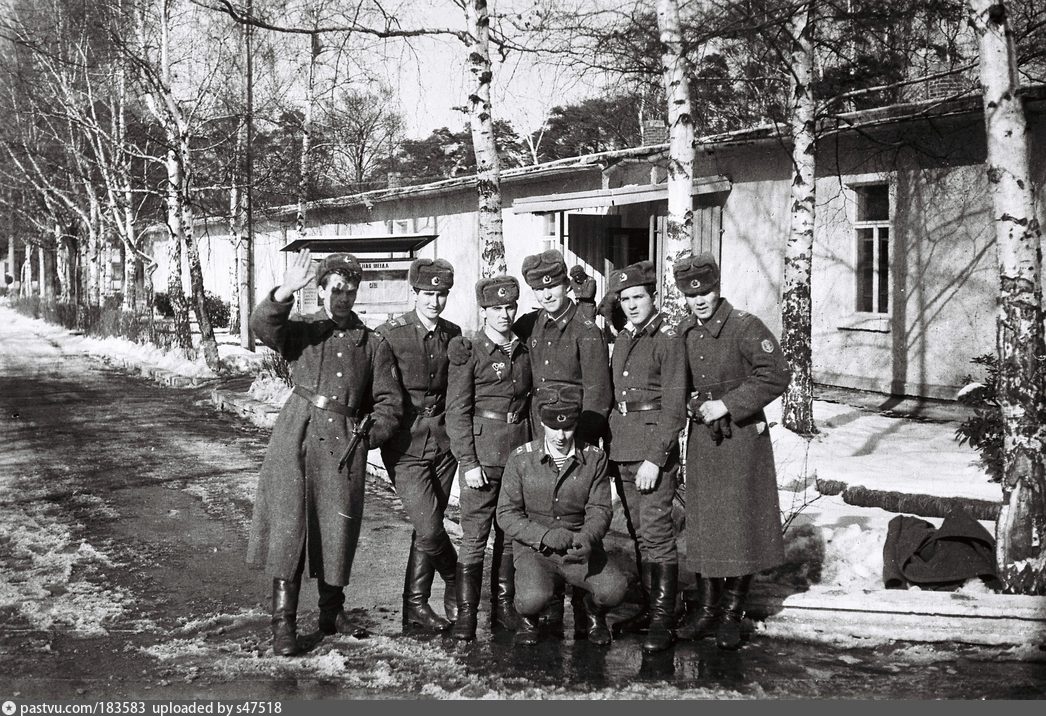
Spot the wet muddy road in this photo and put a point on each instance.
(125, 509)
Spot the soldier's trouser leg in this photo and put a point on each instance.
(477, 518)
(649, 518)
(423, 486)
(535, 581)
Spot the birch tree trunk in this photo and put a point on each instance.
(179, 196)
(481, 124)
(305, 173)
(27, 271)
(678, 240)
(1021, 527)
(42, 272)
(798, 399)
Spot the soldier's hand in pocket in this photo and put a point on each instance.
(475, 478)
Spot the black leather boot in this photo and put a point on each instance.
(417, 586)
(446, 563)
(702, 614)
(595, 617)
(502, 586)
(469, 582)
(735, 591)
(640, 621)
(526, 632)
(663, 581)
(285, 617)
(333, 619)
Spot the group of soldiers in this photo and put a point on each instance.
(537, 418)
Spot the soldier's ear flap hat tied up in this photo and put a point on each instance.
(696, 275)
(431, 275)
(641, 273)
(497, 291)
(345, 264)
(559, 407)
(545, 270)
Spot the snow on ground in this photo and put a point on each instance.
(51, 578)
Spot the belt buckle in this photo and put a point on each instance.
(322, 401)
(622, 408)
(512, 416)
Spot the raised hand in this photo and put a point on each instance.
(297, 276)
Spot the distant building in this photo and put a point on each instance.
(904, 272)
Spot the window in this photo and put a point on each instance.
(872, 232)
(550, 232)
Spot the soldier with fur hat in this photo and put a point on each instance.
(341, 371)
(418, 457)
(733, 520)
(649, 374)
(488, 398)
(555, 506)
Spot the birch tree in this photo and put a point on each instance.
(481, 123)
(797, 413)
(679, 222)
(1021, 527)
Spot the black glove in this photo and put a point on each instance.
(720, 429)
(558, 539)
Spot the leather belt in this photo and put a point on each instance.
(324, 403)
(626, 408)
(511, 417)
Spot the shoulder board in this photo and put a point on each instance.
(741, 314)
(395, 322)
(593, 448)
(525, 447)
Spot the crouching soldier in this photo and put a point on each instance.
(308, 508)
(555, 505)
(488, 396)
(649, 373)
(733, 521)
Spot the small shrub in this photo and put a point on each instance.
(983, 431)
(275, 365)
(217, 310)
(162, 304)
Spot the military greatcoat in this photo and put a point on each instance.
(733, 518)
(570, 350)
(303, 500)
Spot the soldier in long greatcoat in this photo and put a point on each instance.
(307, 511)
(733, 519)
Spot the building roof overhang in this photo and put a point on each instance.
(363, 244)
(619, 196)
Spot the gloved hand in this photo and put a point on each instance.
(720, 429)
(558, 539)
(580, 549)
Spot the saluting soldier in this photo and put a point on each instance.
(649, 372)
(555, 505)
(565, 349)
(418, 457)
(488, 397)
(733, 520)
(585, 290)
(307, 510)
